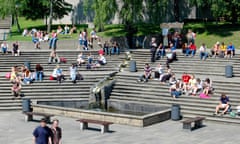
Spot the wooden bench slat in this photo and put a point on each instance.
(104, 124)
(95, 121)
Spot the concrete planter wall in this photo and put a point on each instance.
(139, 121)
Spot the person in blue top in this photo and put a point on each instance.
(230, 50)
(172, 48)
(223, 104)
(36, 41)
(42, 134)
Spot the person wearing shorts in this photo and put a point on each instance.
(223, 104)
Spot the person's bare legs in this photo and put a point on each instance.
(217, 108)
(225, 109)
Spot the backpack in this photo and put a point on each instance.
(8, 75)
(229, 109)
(79, 77)
(88, 66)
(63, 60)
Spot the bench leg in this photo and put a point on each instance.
(187, 126)
(28, 118)
(83, 125)
(198, 124)
(104, 128)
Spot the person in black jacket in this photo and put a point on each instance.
(153, 46)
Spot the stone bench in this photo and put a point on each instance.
(104, 124)
(187, 124)
(29, 116)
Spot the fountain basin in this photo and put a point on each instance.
(134, 114)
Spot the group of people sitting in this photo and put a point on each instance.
(66, 30)
(222, 50)
(159, 51)
(89, 60)
(86, 42)
(24, 75)
(188, 84)
(15, 48)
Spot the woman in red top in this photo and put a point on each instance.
(185, 79)
(191, 49)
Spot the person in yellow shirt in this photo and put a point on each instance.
(223, 49)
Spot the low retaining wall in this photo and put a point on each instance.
(124, 119)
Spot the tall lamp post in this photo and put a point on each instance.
(50, 16)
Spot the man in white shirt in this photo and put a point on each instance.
(4, 47)
(203, 52)
(102, 60)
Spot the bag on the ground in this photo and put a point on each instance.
(203, 96)
(51, 77)
(8, 75)
(229, 109)
(63, 60)
(89, 66)
(79, 77)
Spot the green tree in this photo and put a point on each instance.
(104, 11)
(230, 9)
(10, 7)
(39, 9)
(156, 10)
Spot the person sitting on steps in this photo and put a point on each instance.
(230, 51)
(80, 59)
(73, 72)
(192, 48)
(203, 52)
(207, 86)
(223, 104)
(147, 73)
(16, 89)
(215, 50)
(102, 60)
(58, 74)
(39, 72)
(4, 47)
(176, 90)
(16, 50)
(223, 50)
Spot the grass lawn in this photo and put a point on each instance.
(208, 33)
(211, 33)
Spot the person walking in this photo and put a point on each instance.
(153, 49)
(56, 132)
(42, 134)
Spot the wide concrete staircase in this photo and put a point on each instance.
(127, 89)
(48, 89)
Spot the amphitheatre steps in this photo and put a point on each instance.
(127, 89)
(50, 89)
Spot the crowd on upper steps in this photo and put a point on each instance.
(168, 47)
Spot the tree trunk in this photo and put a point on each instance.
(17, 22)
(234, 15)
(50, 17)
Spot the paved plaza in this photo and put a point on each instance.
(13, 130)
